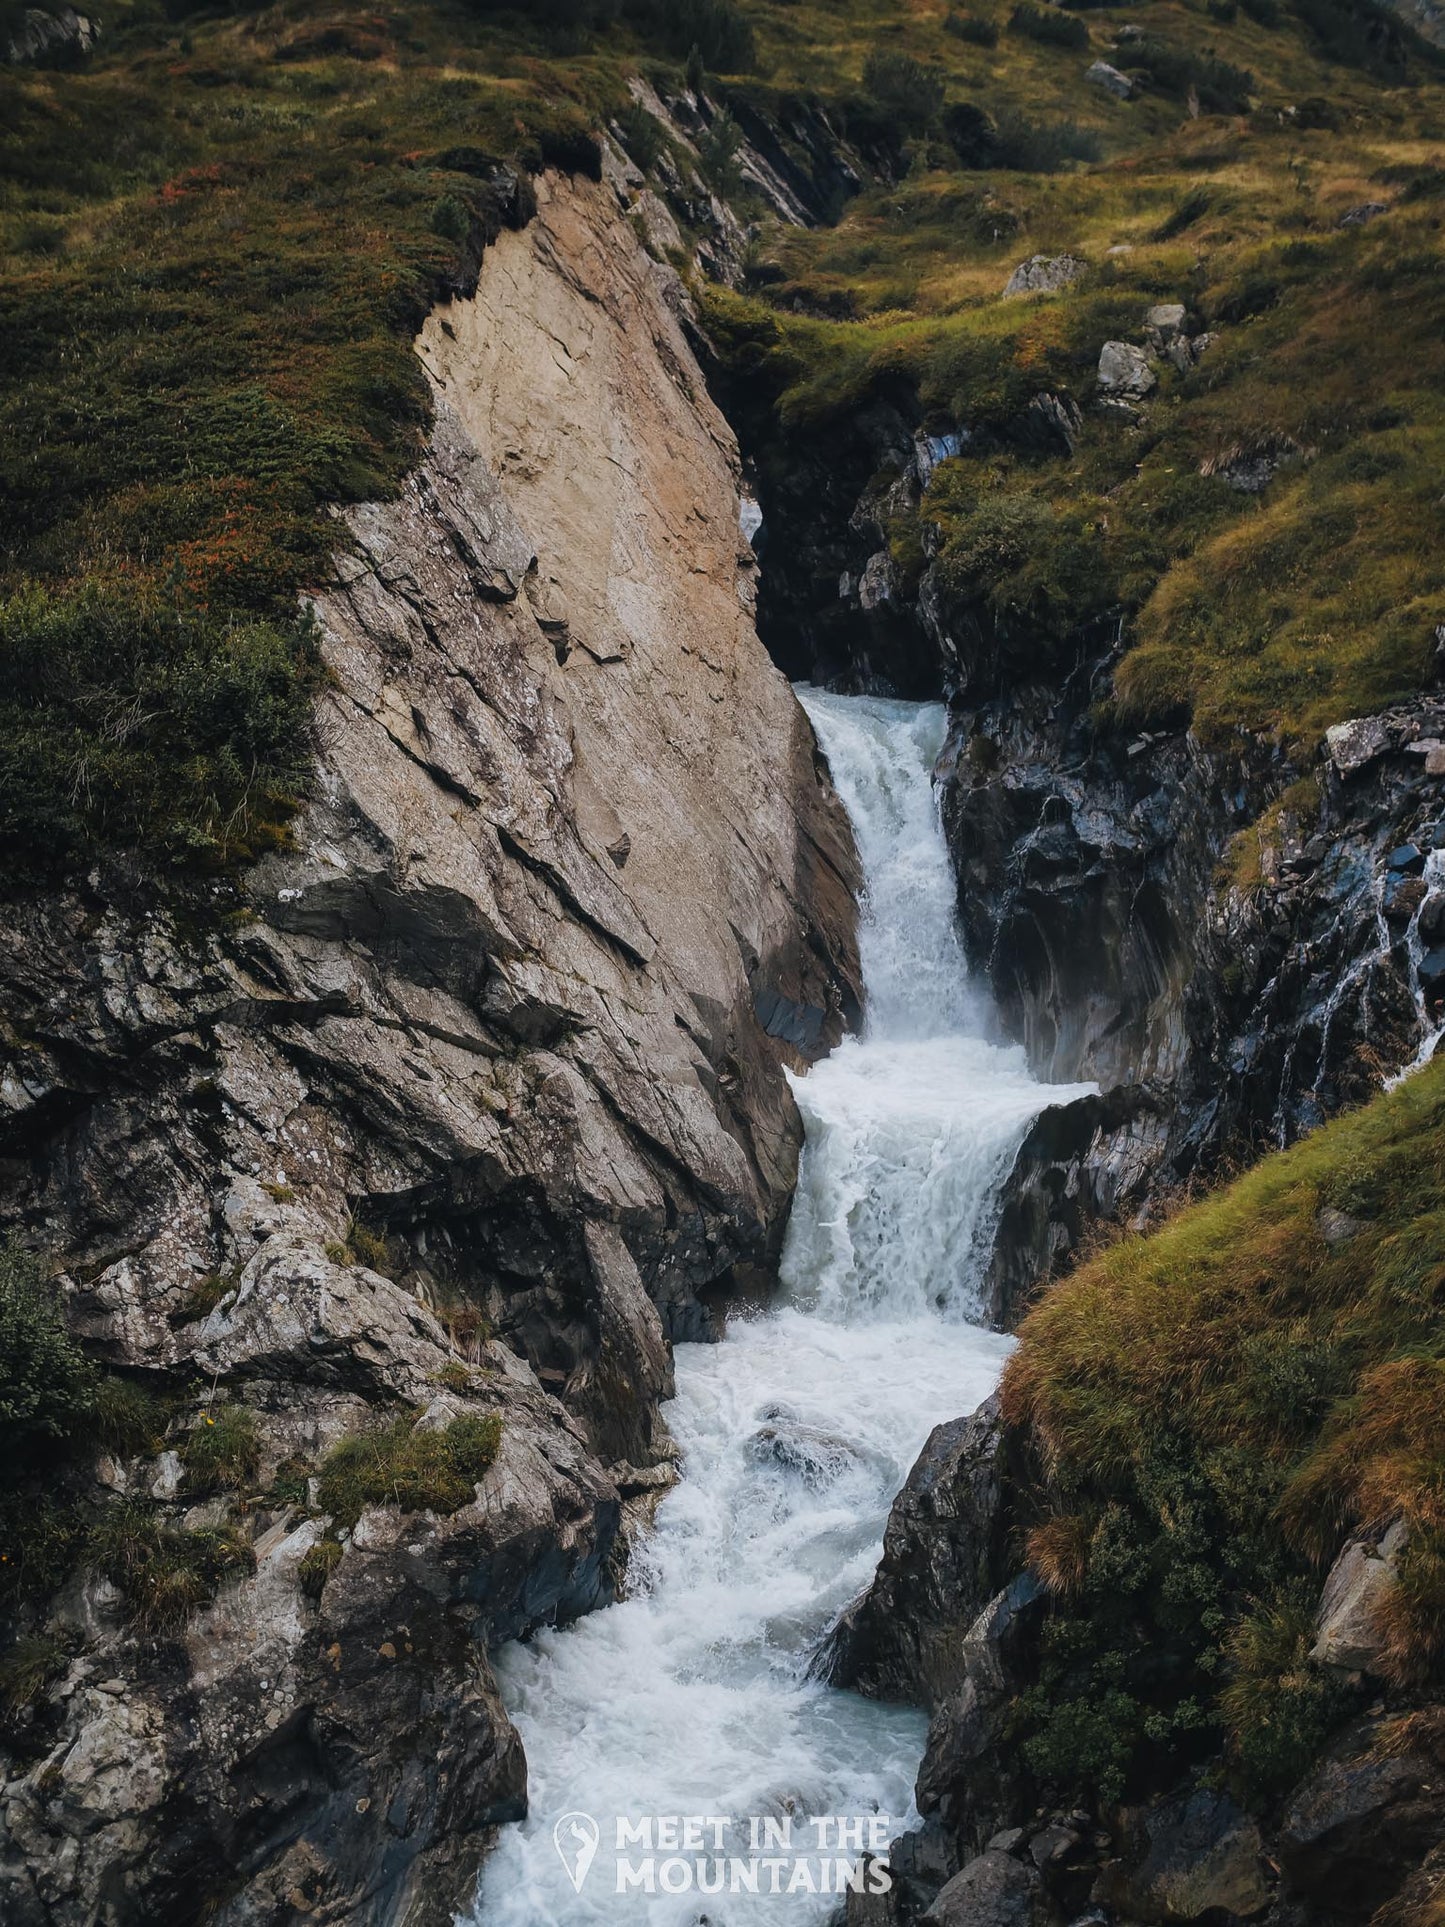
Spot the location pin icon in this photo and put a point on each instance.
(575, 1837)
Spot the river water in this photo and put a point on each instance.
(692, 1697)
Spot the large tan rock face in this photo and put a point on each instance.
(508, 1024)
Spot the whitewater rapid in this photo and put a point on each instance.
(692, 1697)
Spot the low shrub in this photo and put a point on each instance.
(978, 29)
(124, 720)
(317, 1566)
(1049, 27)
(47, 1385)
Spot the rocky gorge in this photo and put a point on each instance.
(376, 1178)
(462, 1106)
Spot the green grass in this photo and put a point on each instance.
(1214, 1406)
(222, 1453)
(216, 243)
(1277, 613)
(164, 1572)
(431, 1471)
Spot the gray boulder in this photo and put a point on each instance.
(1110, 79)
(1045, 274)
(995, 1890)
(1124, 370)
(51, 36)
(1360, 1581)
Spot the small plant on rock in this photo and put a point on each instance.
(421, 1471)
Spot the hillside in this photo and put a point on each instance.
(419, 879)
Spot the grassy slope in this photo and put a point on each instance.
(1214, 1406)
(1289, 611)
(215, 245)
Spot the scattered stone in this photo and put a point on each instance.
(1101, 74)
(1045, 274)
(1336, 1227)
(1354, 745)
(1408, 858)
(1431, 972)
(1167, 318)
(1366, 211)
(1360, 1581)
(1403, 897)
(1124, 370)
(995, 1890)
(53, 36)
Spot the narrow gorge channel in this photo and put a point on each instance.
(694, 1695)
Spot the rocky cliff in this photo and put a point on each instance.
(451, 1112)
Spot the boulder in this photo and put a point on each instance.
(993, 1890)
(1124, 370)
(1165, 319)
(1366, 1816)
(1045, 274)
(905, 1638)
(1196, 1855)
(1347, 1629)
(52, 36)
(1101, 74)
(1353, 746)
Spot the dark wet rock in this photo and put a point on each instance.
(1199, 1857)
(1364, 1820)
(1087, 1162)
(906, 1638)
(993, 1890)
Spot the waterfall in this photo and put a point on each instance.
(692, 1697)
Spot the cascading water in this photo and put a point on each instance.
(692, 1697)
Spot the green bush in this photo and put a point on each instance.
(47, 1385)
(1049, 27)
(1219, 87)
(317, 1566)
(1042, 147)
(431, 1471)
(906, 92)
(122, 720)
(977, 29)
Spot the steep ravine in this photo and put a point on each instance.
(1238, 942)
(461, 1104)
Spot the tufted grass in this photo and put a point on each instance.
(1215, 1406)
(432, 1471)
